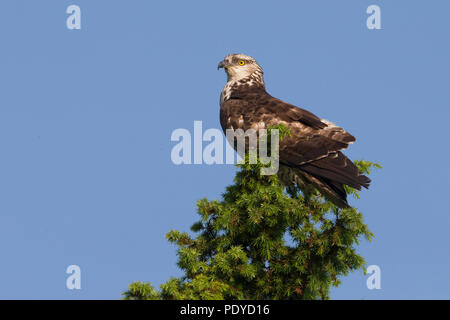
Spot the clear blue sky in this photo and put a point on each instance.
(86, 117)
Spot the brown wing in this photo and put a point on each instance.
(312, 139)
(264, 104)
(315, 144)
(316, 149)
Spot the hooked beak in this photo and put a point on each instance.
(222, 64)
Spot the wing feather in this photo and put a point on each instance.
(313, 152)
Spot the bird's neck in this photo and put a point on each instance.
(253, 82)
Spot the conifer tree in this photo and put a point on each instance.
(264, 242)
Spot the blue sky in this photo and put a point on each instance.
(86, 117)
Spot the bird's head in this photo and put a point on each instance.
(240, 66)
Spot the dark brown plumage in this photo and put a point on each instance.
(312, 155)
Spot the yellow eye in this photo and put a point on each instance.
(241, 62)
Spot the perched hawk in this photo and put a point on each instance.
(312, 156)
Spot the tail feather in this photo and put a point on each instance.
(331, 190)
(328, 175)
(337, 167)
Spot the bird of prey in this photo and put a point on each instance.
(312, 155)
